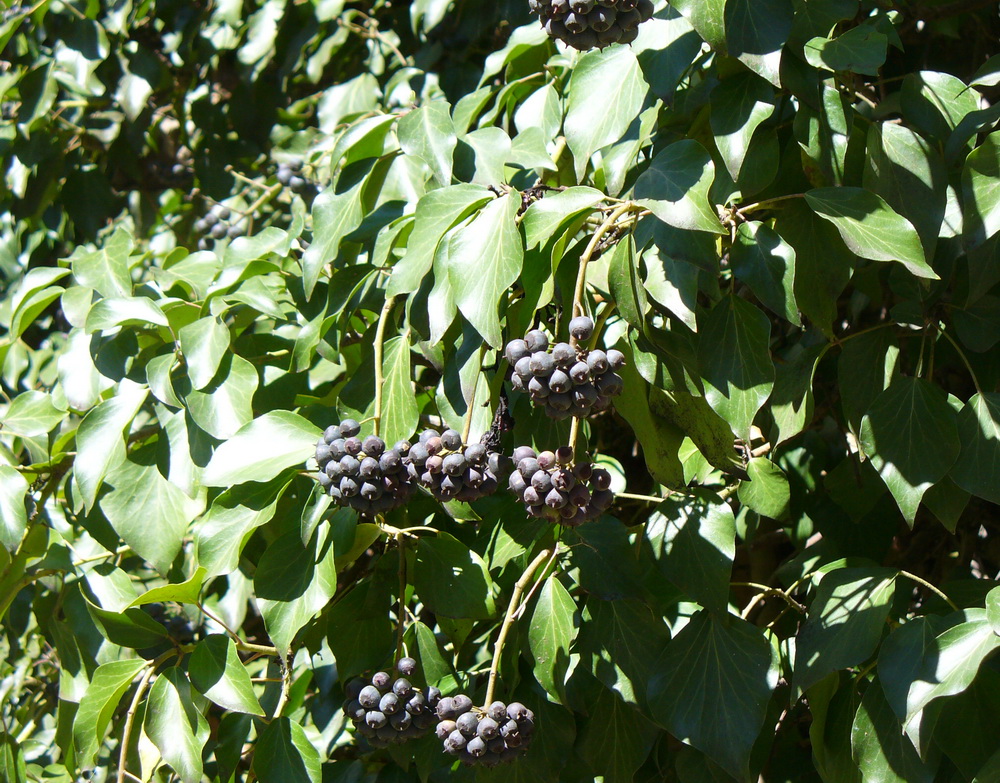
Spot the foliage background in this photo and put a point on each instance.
(806, 261)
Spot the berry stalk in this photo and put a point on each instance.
(581, 278)
(508, 621)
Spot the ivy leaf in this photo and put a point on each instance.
(106, 269)
(626, 288)
(676, 187)
(870, 227)
(428, 133)
(284, 753)
(739, 104)
(99, 704)
(224, 405)
(401, 413)
(616, 745)
(110, 313)
(981, 192)
(767, 491)
(186, 592)
(711, 687)
(861, 49)
(365, 611)
(735, 361)
(12, 764)
(910, 411)
(494, 241)
(31, 414)
(203, 344)
(172, 723)
(262, 449)
(756, 31)
(606, 92)
(217, 672)
(694, 540)
(936, 102)
(845, 622)
(547, 215)
(13, 515)
(550, 633)
(100, 442)
(335, 215)
(452, 580)
(882, 751)
(293, 582)
(766, 263)
(978, 464)
(707, 17)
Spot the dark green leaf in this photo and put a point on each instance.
(173, 724)
(981, 192)
(217, 672)
(766, 263)
(767, 491)
(881, 750)
(550, 633)
(626, 288)
(861, 49)
(676, 187)
(739, 105)
(756, 31)
(453, 580)
(98, 706)
(429, 134)
(707, 18)
(618, 742)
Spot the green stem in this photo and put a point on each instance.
(766, 203)
(588, 254)
(508, 620)
(383, 319)
(963, 357)
(467, 425)
(936, 590)
(401, 611)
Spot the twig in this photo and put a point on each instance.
(936, 590)
(400, 613)
(508, 620)
(574, 433)
(130, 718)
(963, 357)
(581, 278)
(741, 211)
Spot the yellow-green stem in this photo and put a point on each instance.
(383, 319)
(588, 254)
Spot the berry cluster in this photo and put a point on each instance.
(551, 486)
(362, 474)
(451, 471)
(586, 24)
(218, 223)
(390, 712)
(498, 735)
(566, 380)
(290, 175)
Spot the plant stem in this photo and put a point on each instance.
(963, 357)
(508, 620)
(766, 203)
(401, 611)
(936, 590)
(130, 720)
(383, 319)
(588, 254)
(648, 498)
(602, 319)
(574, 434)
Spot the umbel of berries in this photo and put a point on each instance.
(218, 223)
(390, 712)
(362, 474)
(450, 470)
(496, 735)
(566, 380)
(290, 175)
(589, 24)
(552, 486)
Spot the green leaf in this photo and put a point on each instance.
(435, 214)
(711, 687)
(615, 744)
(606, 92)
(401, 413)
(186, 592)
(13, 514)
(131, 628)
(951, 664)
(861, 49)
(217, 672)
(739, 105)
(911, 411)
(547, 215)
(494, 241)
(433, 665)
(107, 268)
(709, 432)
(221, 534)
(792, 401)
(756, 31)
(550, 634)
(707, 17)
(981, 192)
(870, 227)
(993, 609)
(428, 133)
(284, 754)
(881, 750)
(131, 311)
(978, 464)
(293, 582)
(694, 540)
(676, 187)
(364, 612)
(172, 724)
(626, 288)
(866, 367)
(148, 512)
(99, 440)
(936, 102)
(767, 491)
(262, 449)
(335, 215)
(623, 638)
(452, 580)
(223, 406)
(203, 344)
(766, 263)
(845, 622)
(12, 765)
(901, 656)
(735, 361)
(31, 414)
(99, 704)
(606, 561)
(978, 324)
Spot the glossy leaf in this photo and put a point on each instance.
(550, 634)
(766, 263)
(882, 751)
(429, 134)
(452, 580)
(767, 491)
(172, 723)
(756, 31)
(203, 344)
(910, 411)
(262, 449)
(615, 746)
(13, 514)
(981, 192)
(216, 671)
(739, 105)
(676, 185)
(401, 411)
(978, 463)
(98, 705)
(336, 215)
(861, 49)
